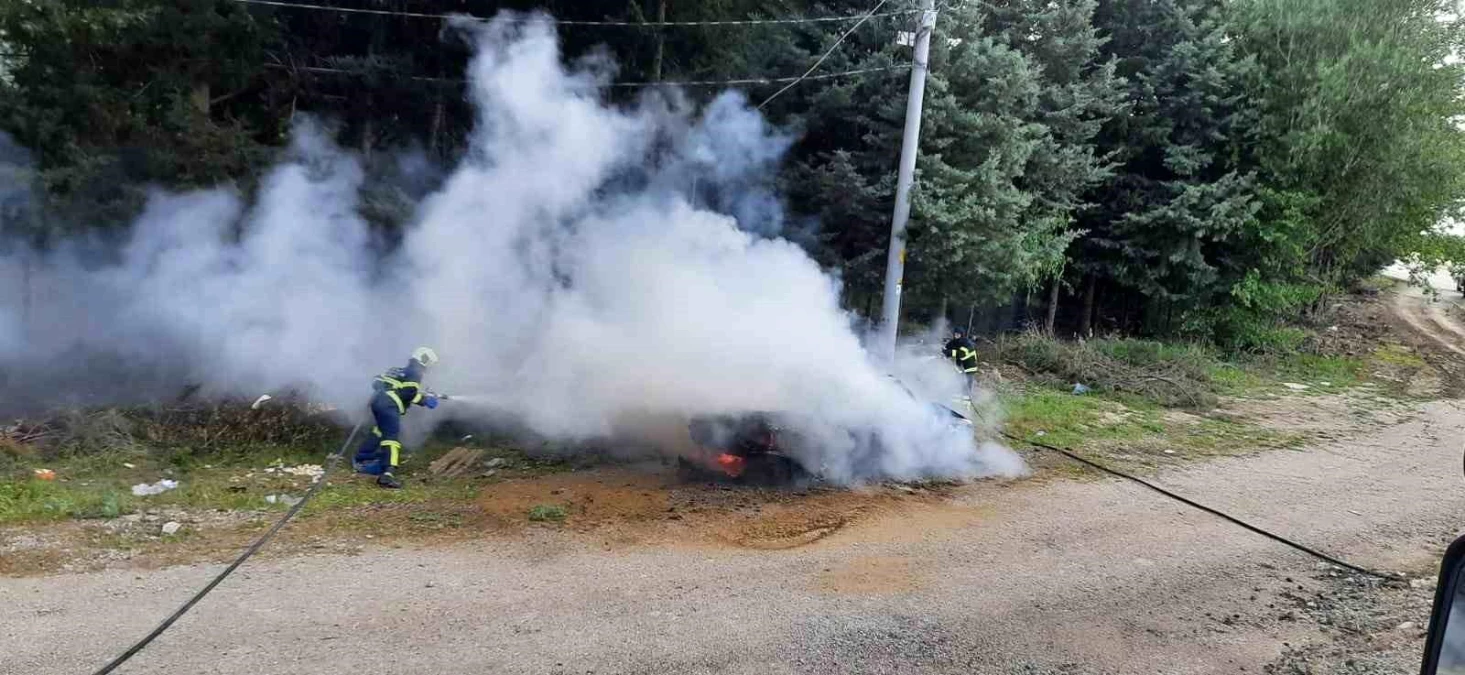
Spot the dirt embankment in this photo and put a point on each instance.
(1426, 325)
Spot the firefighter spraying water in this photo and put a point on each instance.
(395, 391)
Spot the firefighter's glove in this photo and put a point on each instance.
(429, 402)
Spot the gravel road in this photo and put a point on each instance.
(1038, 577)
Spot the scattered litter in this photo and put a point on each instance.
(1041, 433)
(1355, 512)
(1295, 386)
(259, 401)
(128, 465)
(145, 489)
(45, 474)
(465, 439)
(495, 463)
(1080, 389)
(287, 500)
(1169, 452)
(1332, 329)
(172, 527)
(1326, 384)
(314, 471)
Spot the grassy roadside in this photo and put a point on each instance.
(1147, 404)
(262, 480)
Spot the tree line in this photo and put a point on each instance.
(1203, 168)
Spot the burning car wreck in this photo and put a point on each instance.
(755, 448)
(770, 448)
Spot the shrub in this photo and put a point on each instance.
(1172, 375)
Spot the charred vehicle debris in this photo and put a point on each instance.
(771, 448)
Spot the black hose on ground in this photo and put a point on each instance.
(1215, 512)
(253, 548)
(335, 457)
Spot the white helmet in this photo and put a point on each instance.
(425, 356)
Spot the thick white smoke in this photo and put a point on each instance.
(565, 271)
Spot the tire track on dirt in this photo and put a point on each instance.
(1442, 319)
(1428, 321)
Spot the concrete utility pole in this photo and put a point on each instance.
(895, 262)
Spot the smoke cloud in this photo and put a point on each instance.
(585, 265)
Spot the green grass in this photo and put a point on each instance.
(39, 500)
(1128, 416)
(96, 486)
(1398, 355)
(1188, 355)
(1170, 374)
(1319, 372)
(548, 513)
(1128, 428)
(1182, 374)
(1061, 418)
(1264, 375)
(1230, 379)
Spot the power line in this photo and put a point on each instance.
(344, 71)
(760, 80)
(684, 83)
(628, 24)
(826, 54)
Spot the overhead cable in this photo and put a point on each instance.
(672, 83)
(571, 22)
(868, 15)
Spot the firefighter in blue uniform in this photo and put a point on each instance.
(395, 391)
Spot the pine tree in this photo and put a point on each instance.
(1182, 192)
(1013, 102)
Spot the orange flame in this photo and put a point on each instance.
(732, 465)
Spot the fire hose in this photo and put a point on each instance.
(331, 461)
(1213, 511)
(335, 458)
(265, 538)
